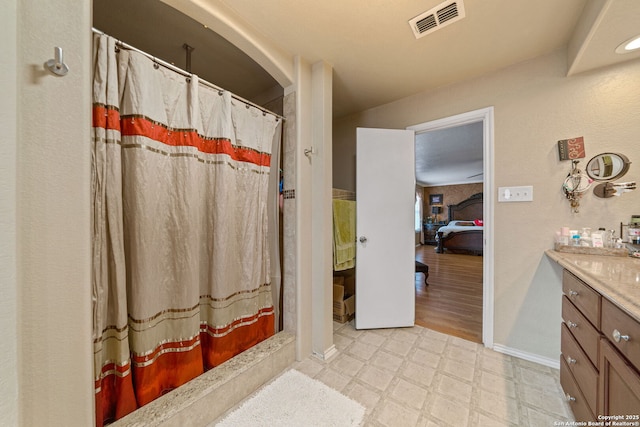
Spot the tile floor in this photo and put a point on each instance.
(418, 377)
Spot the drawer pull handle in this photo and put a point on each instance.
(570, 324)
(570, 398)
(573, 293)
(570, 360)
(617, 336)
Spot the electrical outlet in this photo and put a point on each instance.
(515, 194)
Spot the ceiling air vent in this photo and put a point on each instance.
(440, 16)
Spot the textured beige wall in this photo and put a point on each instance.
(322, 211)
(55, 368)
(8, 218)
(535, 106)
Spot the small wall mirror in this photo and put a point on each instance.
(607, 166)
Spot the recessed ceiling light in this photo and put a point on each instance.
(629, 45)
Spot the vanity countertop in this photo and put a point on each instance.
(615, 278)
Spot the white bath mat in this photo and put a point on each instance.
(295, 400)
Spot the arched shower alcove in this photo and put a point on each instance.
(200, 398)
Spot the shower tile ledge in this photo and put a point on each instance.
(207, 397)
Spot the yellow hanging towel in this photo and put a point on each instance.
(344, 234)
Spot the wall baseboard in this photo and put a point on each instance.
(328, 353)
(531, 357)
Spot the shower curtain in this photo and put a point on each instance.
(181, 276)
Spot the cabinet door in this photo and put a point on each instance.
(616, 324)
(619, 392)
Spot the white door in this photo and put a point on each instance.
(385, 192)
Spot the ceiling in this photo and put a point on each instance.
(459, 148)
(376, 59)
(160, 30)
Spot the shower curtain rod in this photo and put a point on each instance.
(172, 67)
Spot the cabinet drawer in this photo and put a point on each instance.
(584, 373)
(576, 399)
(585, 334)
(585, 298)
(614, 319)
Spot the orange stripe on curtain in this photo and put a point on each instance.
(106, 117)
(165, 348)
(170, 367)
(219, 349)
(141, 126)
(114, 394)
(168, 371)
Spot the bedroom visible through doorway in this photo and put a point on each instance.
(440, 271)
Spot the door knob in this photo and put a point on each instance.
(363, 239)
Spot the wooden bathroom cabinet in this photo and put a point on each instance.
(600, 346)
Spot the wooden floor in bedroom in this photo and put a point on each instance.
(452, 303)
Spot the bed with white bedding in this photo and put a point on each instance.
(464, 232)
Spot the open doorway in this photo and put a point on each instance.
(452, 302)
(444, 269)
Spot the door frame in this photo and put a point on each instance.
(484, 115)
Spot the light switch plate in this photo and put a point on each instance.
(515, 194)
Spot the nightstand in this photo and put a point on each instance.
(430, 230)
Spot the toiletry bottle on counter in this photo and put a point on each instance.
(575, 237)
(585, 237)
(606, 238)
(634, 233)
(564, 236)
(596, 240)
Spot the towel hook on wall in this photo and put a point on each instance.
(57, 65)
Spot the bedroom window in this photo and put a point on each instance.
(418, 213)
